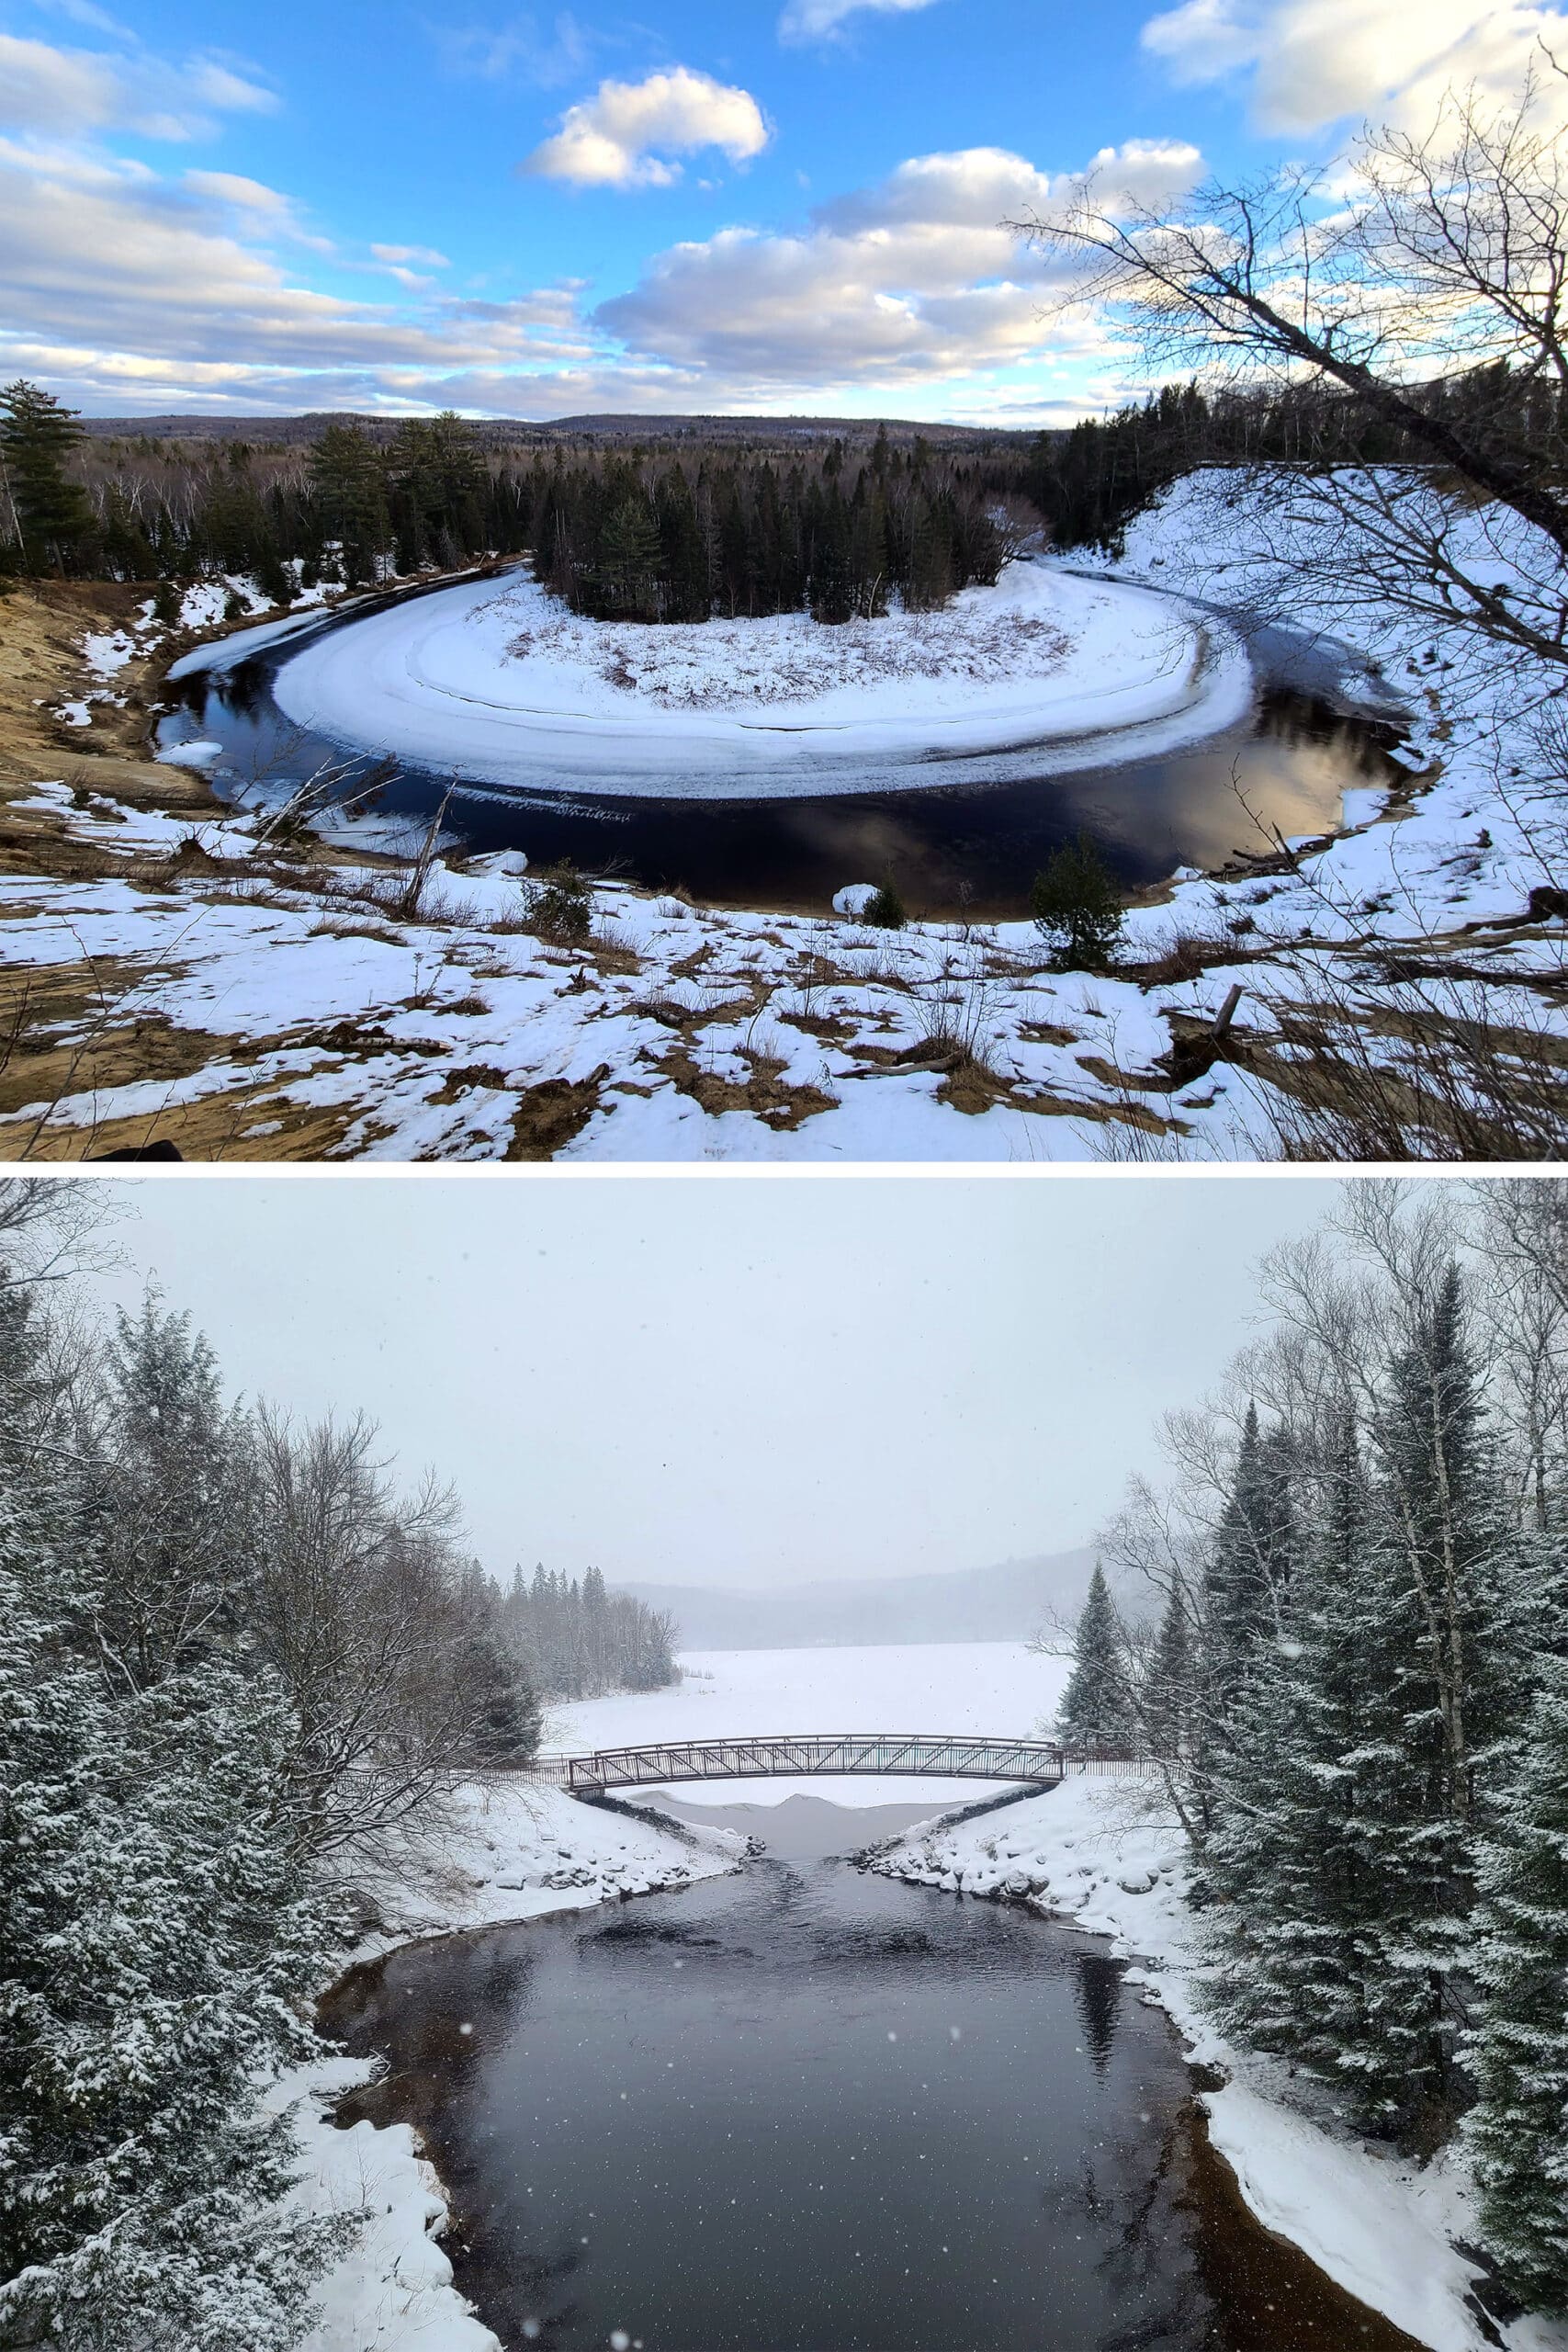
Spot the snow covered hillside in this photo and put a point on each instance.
(508, 685)
(1108, 1855)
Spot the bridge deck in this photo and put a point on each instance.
(919, 1755)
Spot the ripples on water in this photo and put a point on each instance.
(809, 2108)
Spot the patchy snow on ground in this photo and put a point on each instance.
(510, 1849)
(503, 682)
(675, 1034)
(1107, 1854)
(1002, 1688)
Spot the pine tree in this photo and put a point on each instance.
(1096, 1709)
(168, 1500)
(626, 579)
(1075, 903)
(1517, 2053)
(348, 486)
(1169, 1696)
(159, 1940)
(45, 512)
(1317, 1863)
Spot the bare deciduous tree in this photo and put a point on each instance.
(1422, 285)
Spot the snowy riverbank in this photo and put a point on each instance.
(1108, 1855)
(510, 1852)
(1100, 1852)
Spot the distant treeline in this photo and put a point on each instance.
(624, 542)
(579, 1640)
(668, 528)
(1088, 483)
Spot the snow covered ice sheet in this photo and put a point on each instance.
(506, 683)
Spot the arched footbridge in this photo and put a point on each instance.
(915, 1754)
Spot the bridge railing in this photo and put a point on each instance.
(932, 1755)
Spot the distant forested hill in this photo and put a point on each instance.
(997, 1604)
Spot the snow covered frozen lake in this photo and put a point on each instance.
(1001, 1688)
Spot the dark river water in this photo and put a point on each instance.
(973, 847)
(806, 2107)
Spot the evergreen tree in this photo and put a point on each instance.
(1096, 1709)
(1076, 905)
(627, 577)
(1317, 1865)
(1169, 1697)
(158, 1941)
(168, 1496)
(1517, 2053)
(1249, 1571)
(46, 513)
(348, 487)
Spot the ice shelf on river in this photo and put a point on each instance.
(497, 681)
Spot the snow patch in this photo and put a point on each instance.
(189, 755)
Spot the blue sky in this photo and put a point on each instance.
(784, 207)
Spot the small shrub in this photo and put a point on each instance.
(1077, 908)
(234, 606)
(561, 905)
(886, 909)
(167, 603)
(273, 580)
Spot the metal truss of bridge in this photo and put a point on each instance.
(917, 1754)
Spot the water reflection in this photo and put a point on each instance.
(972, 846)
(1099, 2001)
(809, 2108)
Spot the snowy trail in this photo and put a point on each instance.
(502, 682)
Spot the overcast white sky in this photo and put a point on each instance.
(734, 1382)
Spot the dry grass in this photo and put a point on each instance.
(763, 1091)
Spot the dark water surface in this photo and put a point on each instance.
(969, 847)
(809, 2108)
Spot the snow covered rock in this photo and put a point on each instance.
(190, 755)
(500, 861)
(853, 899)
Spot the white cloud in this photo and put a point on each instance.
(908, 282)
(425, 255)
(516, 51)
(805, 20)
(66, 92)
(130, 290)
(1313, 63)
(146, 284)
(623, 136)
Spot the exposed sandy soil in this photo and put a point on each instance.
(42, 666)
